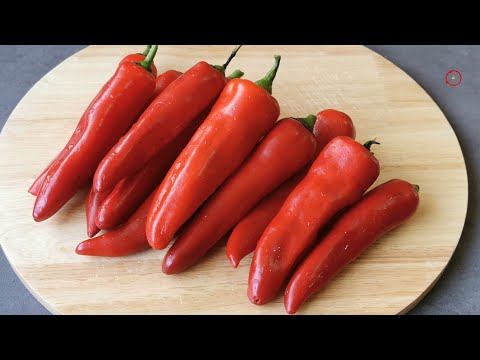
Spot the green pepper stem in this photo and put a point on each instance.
(416, 187)
(237, 74)
(145, 52)
(267, 81)
(308, 121)
(223, 67)
(147, 63)
(369, 143)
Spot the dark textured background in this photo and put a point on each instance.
(458, 290)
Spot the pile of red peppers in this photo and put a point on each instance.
(198, 155)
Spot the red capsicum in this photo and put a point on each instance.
(244, 238)
(379, 211)
(243, 114)
(166, 117)
(270, 164)
(130, 192)
(108, 117)
(125, 240)
(340, 175)
(127, 59)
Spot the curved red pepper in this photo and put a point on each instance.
(378, 212)
(270, 164)
(130, 192)
(166, 117)
(126, 240)
(94, 200)
(338, 178)
(244, 238)
(76, 135)
(108, 117)
(242, 115)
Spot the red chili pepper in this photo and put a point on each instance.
(126, 240)
(270, 164)
(338, 178)
(94, 200)
(39, 180)
(108, 117)
(244, 238)
(379, 211)
(166, 117)
(130, 192)
(243, 114)
(164, 80)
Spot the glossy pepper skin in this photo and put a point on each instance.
(270, 164)
(127, 59)
(332, 123)
(125, 240)
(244, 238)
(166, 117)
(164, 80)
(108, 117)
(131, 192)
(242, 115)
(94, 200)
(378, 212)
(339, 176)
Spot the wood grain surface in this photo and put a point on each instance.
(417, 144)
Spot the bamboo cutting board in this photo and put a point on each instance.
(417, 144)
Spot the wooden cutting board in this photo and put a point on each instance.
(417, 144)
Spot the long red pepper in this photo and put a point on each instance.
(244, 238)
(166, 117)
(108, 117)
(129, 58)
(243, 114)
(138, 57)
(270, 164)
(342, 172)
(378, 212)
(130, 192)
(94, 200)
(127, 239)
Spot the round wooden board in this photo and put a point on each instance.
(418, 145)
